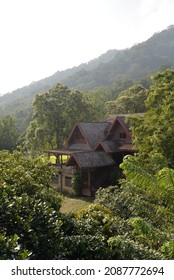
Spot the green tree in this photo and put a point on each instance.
(8, 133)
(154, 133)
(29, 209)
(129, 101)
(48, 117)
(79, 108)
(101, 96)
(55, 114)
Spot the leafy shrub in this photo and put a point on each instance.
(29, 208)
(123, 248)
(76, 184)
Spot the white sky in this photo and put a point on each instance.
(40, 37)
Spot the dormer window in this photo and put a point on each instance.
(122, 135)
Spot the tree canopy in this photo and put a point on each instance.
(8, 133)
(154, 132)
(129, 101)
(125, 222)
(54, 114)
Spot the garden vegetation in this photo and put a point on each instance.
(131, 220)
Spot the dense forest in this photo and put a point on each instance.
(133, 219)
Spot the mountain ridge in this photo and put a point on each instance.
(133, 63)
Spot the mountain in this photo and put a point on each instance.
(25, 95)
(129, 64)
(135, 63)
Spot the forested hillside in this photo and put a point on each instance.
(135, 63)
(24, 96)
(108, 72)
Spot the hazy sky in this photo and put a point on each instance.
(39, 37)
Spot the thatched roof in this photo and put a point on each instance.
(91, 159)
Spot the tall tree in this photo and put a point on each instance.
(55, 113)
(79, 108)
(154, 133)
(8, 133)
(129, 101)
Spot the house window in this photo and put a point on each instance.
(122, 135)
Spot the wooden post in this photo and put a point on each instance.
(61, 187)
(89, 179)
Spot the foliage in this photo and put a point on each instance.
(8, 133)
(154, 132)
(29, 215)
(136, 64)
(146, 233)
(168, 249)
(125, 221)
(129, 101)
(145, 212)
(10, 248)
(29, 208)
(123, 248)
(48, 121)
(101, 96)
(129, 64)
(55, 113)
(19, 102)
(85, 247)
(162, 180)
(76, 182)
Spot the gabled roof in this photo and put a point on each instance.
(97, 137)
(93, 132)
(62, 152)
(91, 159)
(126, 147)
(108, 146)
(121, 119)
(79, 147)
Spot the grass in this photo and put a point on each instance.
(70, 204)
(52, 159)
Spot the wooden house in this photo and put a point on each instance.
(94, 150)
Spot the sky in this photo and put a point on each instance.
(40, 37)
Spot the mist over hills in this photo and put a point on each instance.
(25, 94)
(135, 63)
(139, 61)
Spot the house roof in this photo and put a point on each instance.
(62, 151)
(121, 119)
(126, 147)
(79, 147)
(109, 146)
(93, 132)
(96, 135)
(91, 159)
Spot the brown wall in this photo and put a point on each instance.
(118, 130)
